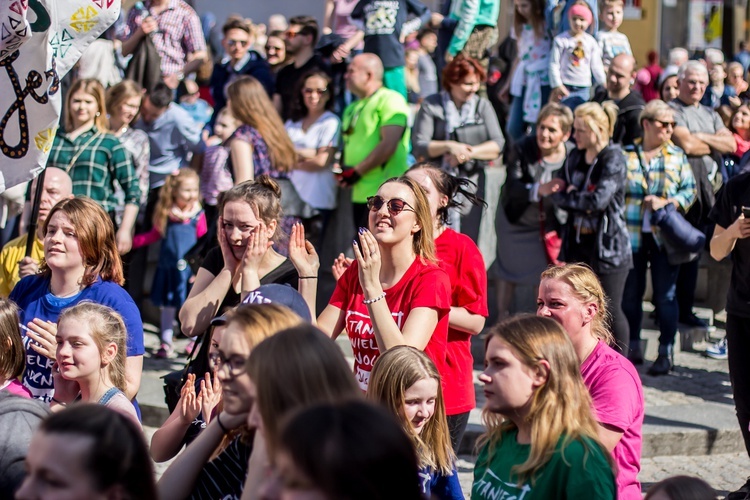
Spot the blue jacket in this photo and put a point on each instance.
(224, 74)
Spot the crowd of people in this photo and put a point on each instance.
(243, 150)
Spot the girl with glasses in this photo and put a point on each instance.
(394, 294)
(216, 463)
(314, 130)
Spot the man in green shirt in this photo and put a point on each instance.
(374, 131)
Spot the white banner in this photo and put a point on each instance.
(40, 41)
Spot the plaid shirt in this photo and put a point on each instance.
(103, 162)
(179, 34)
(669, 176)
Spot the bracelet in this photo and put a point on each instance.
(372, 301)
(59, 402)
(307, 277)
(218, 421)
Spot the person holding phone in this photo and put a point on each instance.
(731, 214)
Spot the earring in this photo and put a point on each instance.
(98, 113)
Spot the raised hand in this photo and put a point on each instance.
(230, 261)
(257, 246)
(367, 253)
(210, 395)
(42, 333)
(340, 265)
(189, 404)
(302, 253)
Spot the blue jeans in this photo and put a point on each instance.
(664, 282)
(576, 97)
(516, 125)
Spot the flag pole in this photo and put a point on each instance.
(35, 212)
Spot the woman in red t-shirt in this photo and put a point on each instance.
(395, 293)
(459, 256)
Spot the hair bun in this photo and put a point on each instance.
(268, 182)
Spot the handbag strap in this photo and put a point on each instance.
(80, 151)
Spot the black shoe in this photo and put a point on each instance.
(661, 366)
(694, 321)
(742, 494)
(636, 356)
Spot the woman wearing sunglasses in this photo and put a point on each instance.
(394, 294)
(658, 174)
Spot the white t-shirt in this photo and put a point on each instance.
(318, 189)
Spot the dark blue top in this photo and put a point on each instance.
(225, 73)
(35, 301)
(439, 486)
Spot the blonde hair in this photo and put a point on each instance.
(422, 243)
(395, 371)
(654, 109)
(250, 104)
(563, 114)
(106, 327)
(600, 118)
(608, 3)
(118, 94)
(260, 321)
(94, 88)
(559, 409)
(587, 288)
(167, 196)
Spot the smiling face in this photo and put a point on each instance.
(670, 89)
(128, 110)
(419, 403)
(392, 229)
(741, 118)
(315, 94)
(56, 469)
(236, 385)
(83, 108)
(61, 249)
(509, 384)
(186, 193)
(464, 89)
(557, 300)
(549, 134)
(239, 222)
(77, 354)
(275, 50)
(236, 43)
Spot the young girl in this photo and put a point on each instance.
(179, 219)
(12, 352)
(529, 83)
(91, 352)
(406, 382)
(541, 439)
(575, 57)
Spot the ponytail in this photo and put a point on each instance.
(457, 189)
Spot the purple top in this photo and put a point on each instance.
(261, 156)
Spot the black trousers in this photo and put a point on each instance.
(457, 427)
(738, 346)
(614, 287)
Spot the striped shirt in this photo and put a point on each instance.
(102, 162)
(179, 33)
(669, 176)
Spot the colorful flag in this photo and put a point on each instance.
(40, 40)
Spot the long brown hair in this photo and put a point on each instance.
(94, 88)
(250, 105)
(536, 20)
(118, 94)
(394, 372)
(96, 239)
(560, 409)
(13, 357)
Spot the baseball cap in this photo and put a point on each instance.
(274, 293)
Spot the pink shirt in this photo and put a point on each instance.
(616, 389)
(17, 388)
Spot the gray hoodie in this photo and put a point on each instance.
(19, 418)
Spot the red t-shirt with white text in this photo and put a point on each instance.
(459, 256)
(423, 285)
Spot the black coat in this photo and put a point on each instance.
(602, 199)
(628, 124)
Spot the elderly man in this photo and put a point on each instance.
(699, 131)
(375, 133)
(13, 263)
(620, 77)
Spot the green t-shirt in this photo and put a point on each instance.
(581, 471)
(361, 133)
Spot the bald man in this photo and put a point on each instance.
(620, 78)
(13, 264)
(375, 133)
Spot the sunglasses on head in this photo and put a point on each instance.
(395, 205)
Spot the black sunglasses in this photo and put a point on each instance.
(663, 124)
(395, 205)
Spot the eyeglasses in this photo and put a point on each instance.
(663, 124)
(308, 91)
(241, 43)
(395, 205)
(235, 365)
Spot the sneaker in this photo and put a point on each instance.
(661, 366)
(165, 351)
(742, 494)
(718, 350)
